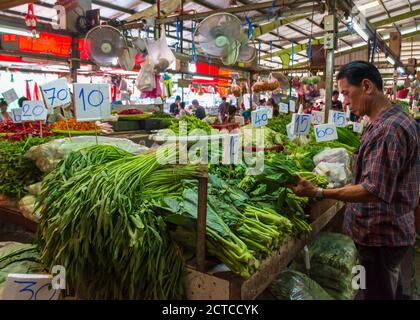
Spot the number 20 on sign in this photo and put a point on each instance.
(92, 101)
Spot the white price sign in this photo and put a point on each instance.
(259, 117)
(284, 108)
(231, 151)
(10, 96)
(16, 115)
(301, 124)
(29, 287)
(317, 117)
(348, 113)
(325, 132)
(292, 106)
(338, 118)
(92, 101)
(290, 134)
(357, 127)
(56, 93)
(34, 111)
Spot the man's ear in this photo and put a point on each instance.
(367, 86)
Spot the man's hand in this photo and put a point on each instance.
(304, 189)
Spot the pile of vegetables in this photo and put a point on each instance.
(250, 137)
(130, 111)
(133, 117)
(193, 123)
(16, 170)
(348, 137)
(110, 227)
(279, 123)
(20, 131)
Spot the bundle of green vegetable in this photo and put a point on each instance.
(99, 222)
(348, 137)
(16, 170)
(251, 136)
(192, 123)
(279, 123)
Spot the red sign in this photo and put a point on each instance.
(47, 43)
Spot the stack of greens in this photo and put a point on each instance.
(279, 123)
(98, 221)
(192, 123)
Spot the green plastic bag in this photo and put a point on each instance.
(294, 285)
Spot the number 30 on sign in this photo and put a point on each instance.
(92, 101)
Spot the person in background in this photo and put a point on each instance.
(199, 111)
(336, 104)
(182, 111)
(4, 115)
(174, 107)
(384, 193)
(223, 107)
(246, 113)
(231, 113)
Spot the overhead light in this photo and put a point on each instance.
(203, 78)
(390, 60)
(369, 5)
(401, 70)
(360, 31)
(19, 32)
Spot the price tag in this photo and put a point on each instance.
(325, 132)
(259, 117)
(357, 127)
(29, 287)
(34, 111)
(338, 118)
(284, 108)
(231, 151)
(289, 130)
(317, 117)
(10, 96)
(56, 93)
(92, 101)
(292, 106)
(301, 124)
(16, 115)
(348, 112)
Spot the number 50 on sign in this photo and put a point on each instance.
(91, 101)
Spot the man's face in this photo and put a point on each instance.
(355, 97)
(335, 97)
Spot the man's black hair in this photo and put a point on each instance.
(182, 105)
(178, 98)
(224, 98)
(356, 71)
(335, 92)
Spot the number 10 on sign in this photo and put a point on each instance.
(92, 101)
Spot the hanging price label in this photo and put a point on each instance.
(301, 124)
(56, 93)
(284, 108)
(92, 101)
(292, 106)
(338, 118)
(357, 127)
(16, 115)
(317, 117)
(29, 287)
(325, 132)
(259, 117)
(10, 96)
(34, 111)
(231, 151)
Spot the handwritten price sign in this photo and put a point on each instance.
(292, 105)
(231, 151)
(16, 115)
(56, 93)
(284, 108)
(92, 101)
(317, 117)
(260, 117)
(29, 287)
(301, 124)
(358, 127)
(325, 132)
(10, 96)
(34, 111)
(338, 118)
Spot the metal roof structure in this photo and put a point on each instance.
(385, 15)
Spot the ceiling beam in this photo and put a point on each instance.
(112, 6)
(394, 19)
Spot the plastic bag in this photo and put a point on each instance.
(236, 90)
(156, 92)
(258, 86)
(293, 285)
(146, 79)
(335, 173)
(273, 83)
(336, 155)
(159, 52)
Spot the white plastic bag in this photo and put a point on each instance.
(336, 155)
(146, 79)
(160, 53)
(335, 172)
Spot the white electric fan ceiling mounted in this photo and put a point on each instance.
(222, 35)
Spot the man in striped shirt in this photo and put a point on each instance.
(384, 192)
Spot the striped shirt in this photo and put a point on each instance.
(388, 166)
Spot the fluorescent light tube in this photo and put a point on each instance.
(20, 32)
(390, 60)
(203, 78)
(360, 31)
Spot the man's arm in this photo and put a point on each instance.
(349, 193)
